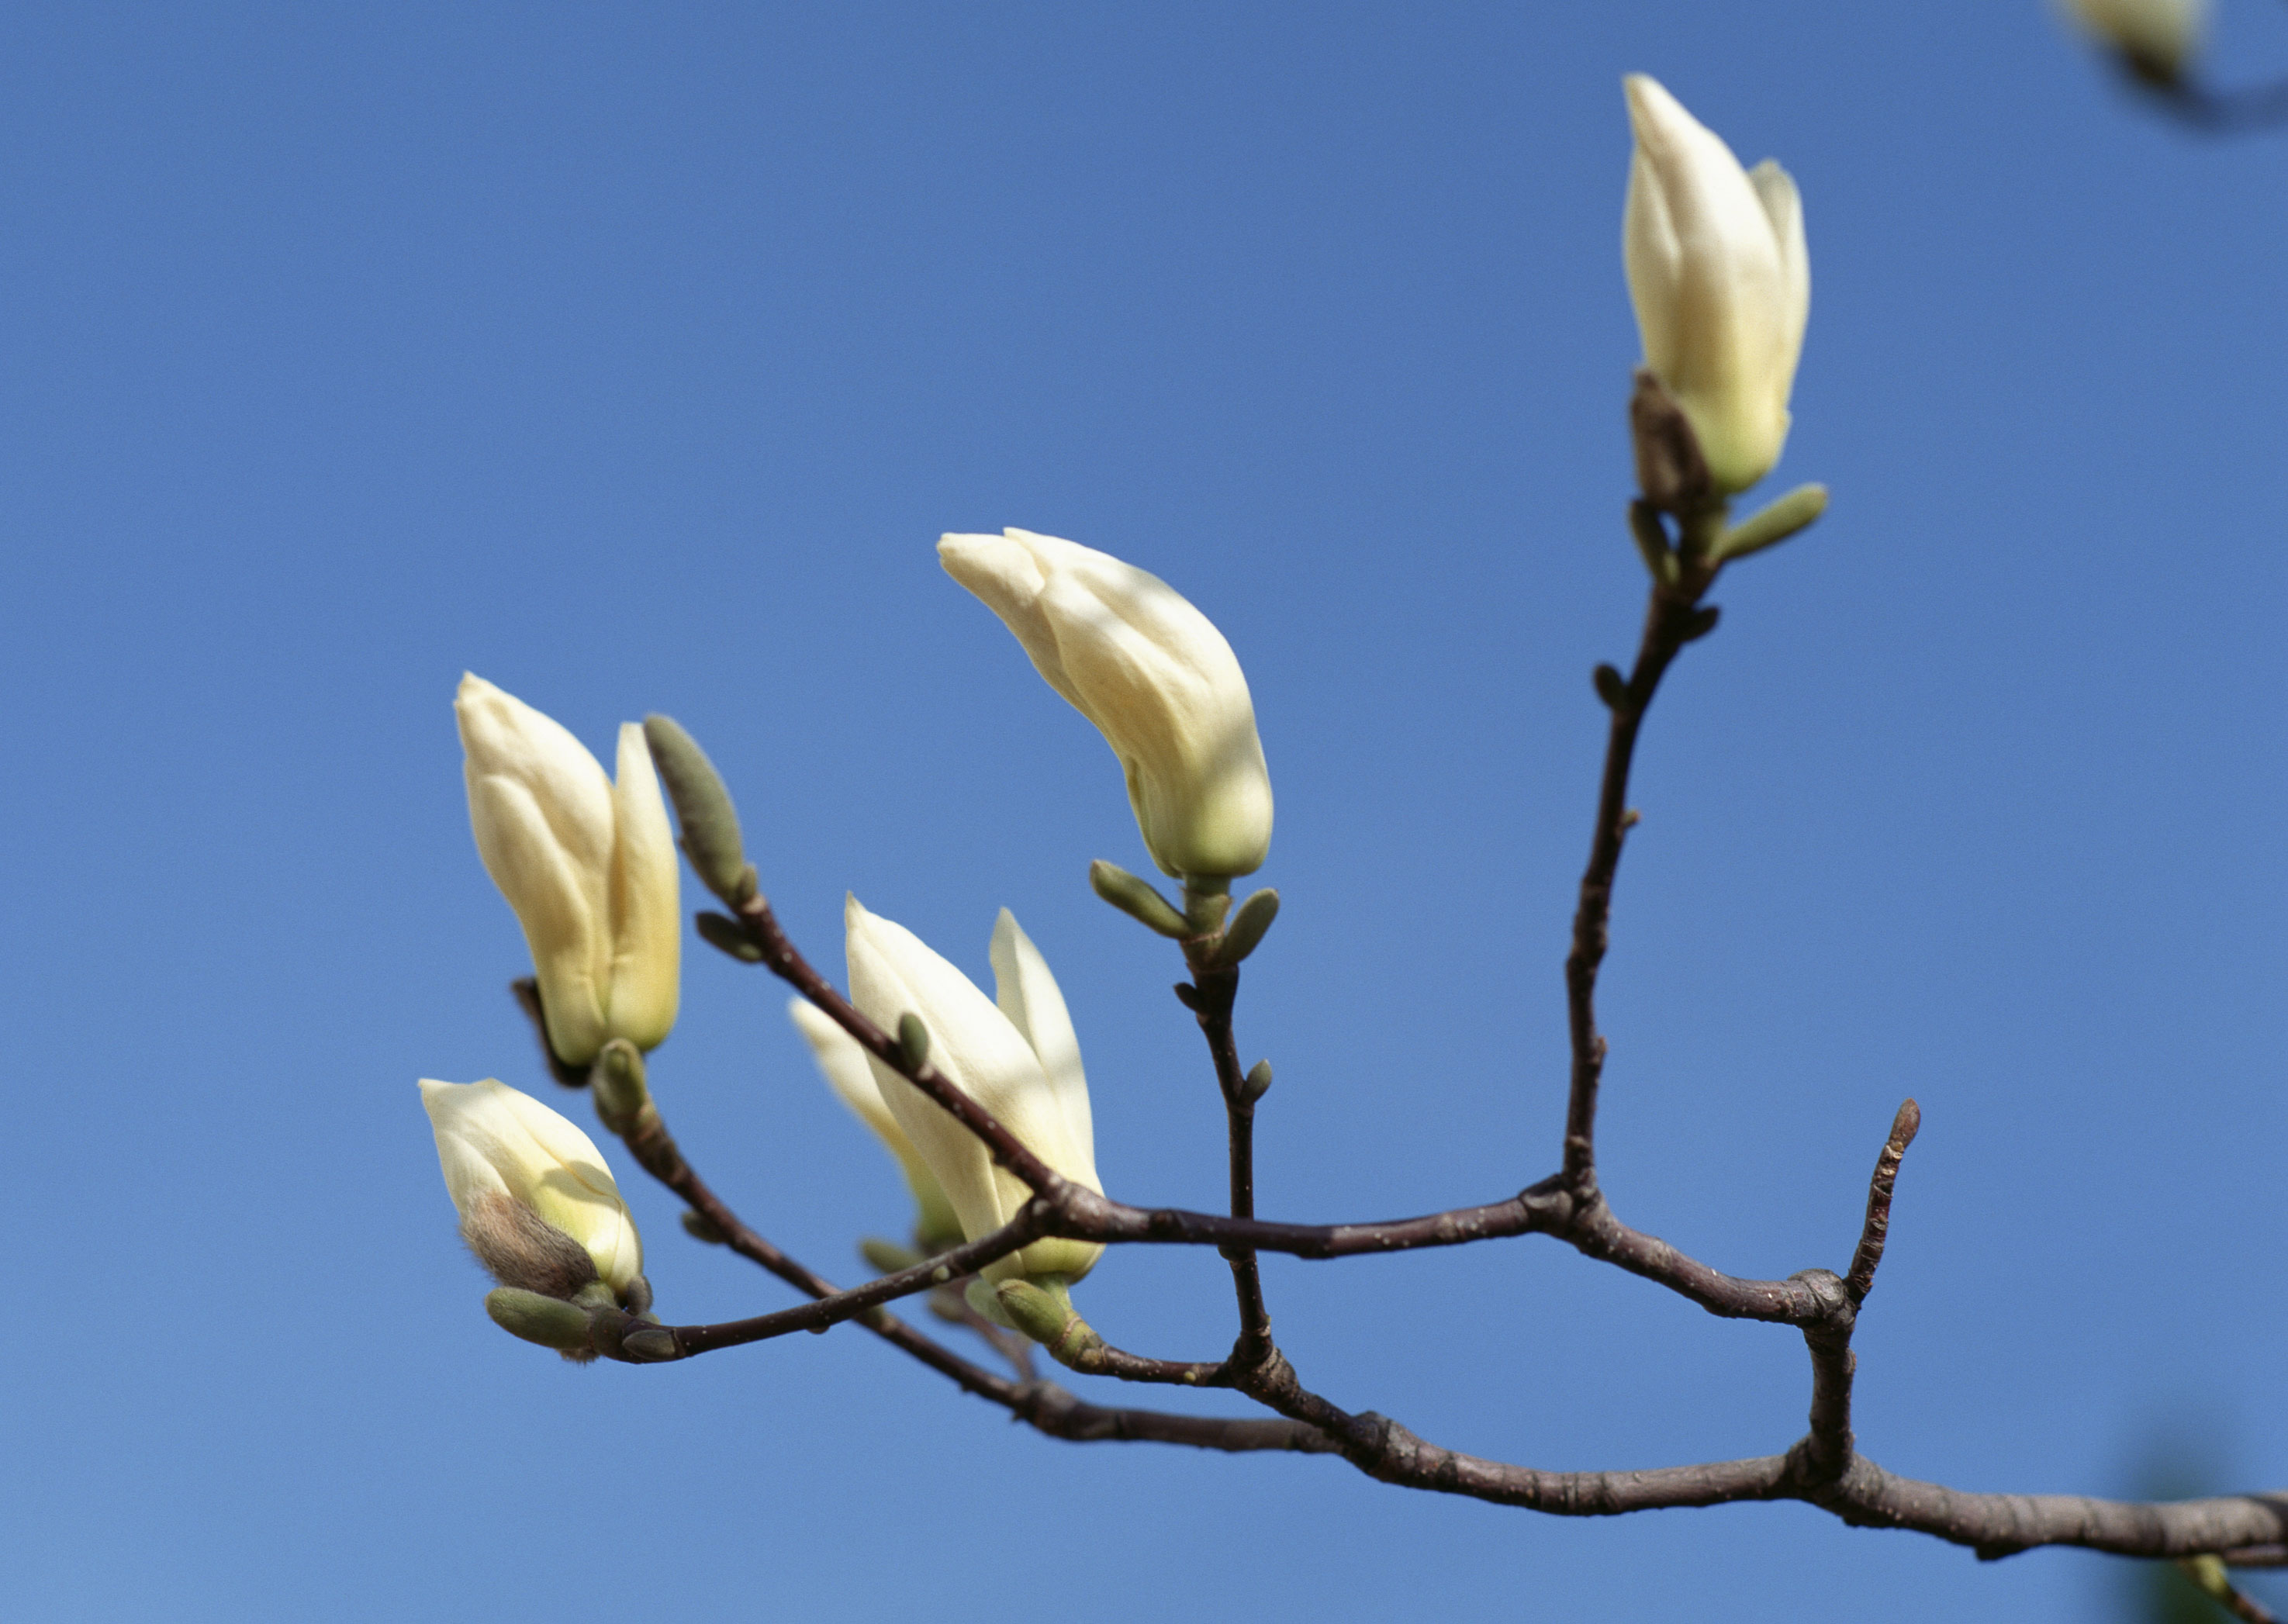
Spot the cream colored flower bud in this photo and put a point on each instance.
(1722, 282)
(588, 864)
(848, 1073)
(2158, 37)
(537, 1205)
(1018, 1057)
(1153, 674)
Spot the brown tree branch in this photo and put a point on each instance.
(1672, 618)
(1822, 1468)
(1209, 995)
(1043, 1406)
(1861, 1280)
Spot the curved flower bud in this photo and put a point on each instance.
(1722, 282)
(537, 1205)
(589, 865)
(1024, 1067)
(2157, 37)
(845, 1067)
(1155, 675)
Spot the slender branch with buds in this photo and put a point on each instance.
(1823, 1467)
(1682, 526)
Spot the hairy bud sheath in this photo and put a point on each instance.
(1721, 282)
(1156, 677)
(589, 864)
(1018, 1058)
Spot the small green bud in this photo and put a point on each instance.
(549, 1321)
(654, 1343)
(607, 1326)
(725, 935)
(1245, 931)
(1612, 687)
(1043, 1310)
(702, 808)
(1769, 527)
(701, 1228)
(617, 1082)
(1256, 1083)
(1138, 899)
(887, 1257)
(1040, 1314)
(913, 1040)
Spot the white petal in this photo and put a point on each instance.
(646, 915)
(1028, 994)
(893, 972)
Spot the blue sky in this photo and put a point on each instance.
(635, 359)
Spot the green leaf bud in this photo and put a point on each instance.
(710, 823)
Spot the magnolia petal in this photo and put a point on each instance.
(646, 915)
(1028, 994)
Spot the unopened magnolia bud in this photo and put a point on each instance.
(1137, 897)
(588, 863)
(1015, 1054)
(549, 1321)
(726, 936)
(1797, 511)
(887, 1257)
(703, 810)
(913, 1040)
(1156, 677)
(537, 1205)
(1245, 931)
(1256, 1083)
(701, 1228)
(617, 1083)
(1721, 282)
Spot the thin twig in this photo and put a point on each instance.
(1861, 1280)
(1670, 622)
(1210, 996)
(962, 1260)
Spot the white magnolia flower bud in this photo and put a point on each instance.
(1153, 674)
(2158, 37)
(588, 864)
(1019, 1058)
(851, 1076)
(1722, 282)
(537, 1205)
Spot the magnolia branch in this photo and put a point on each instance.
(1043, 1406)
(1823, 1469)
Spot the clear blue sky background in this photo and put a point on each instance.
(634, 359)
